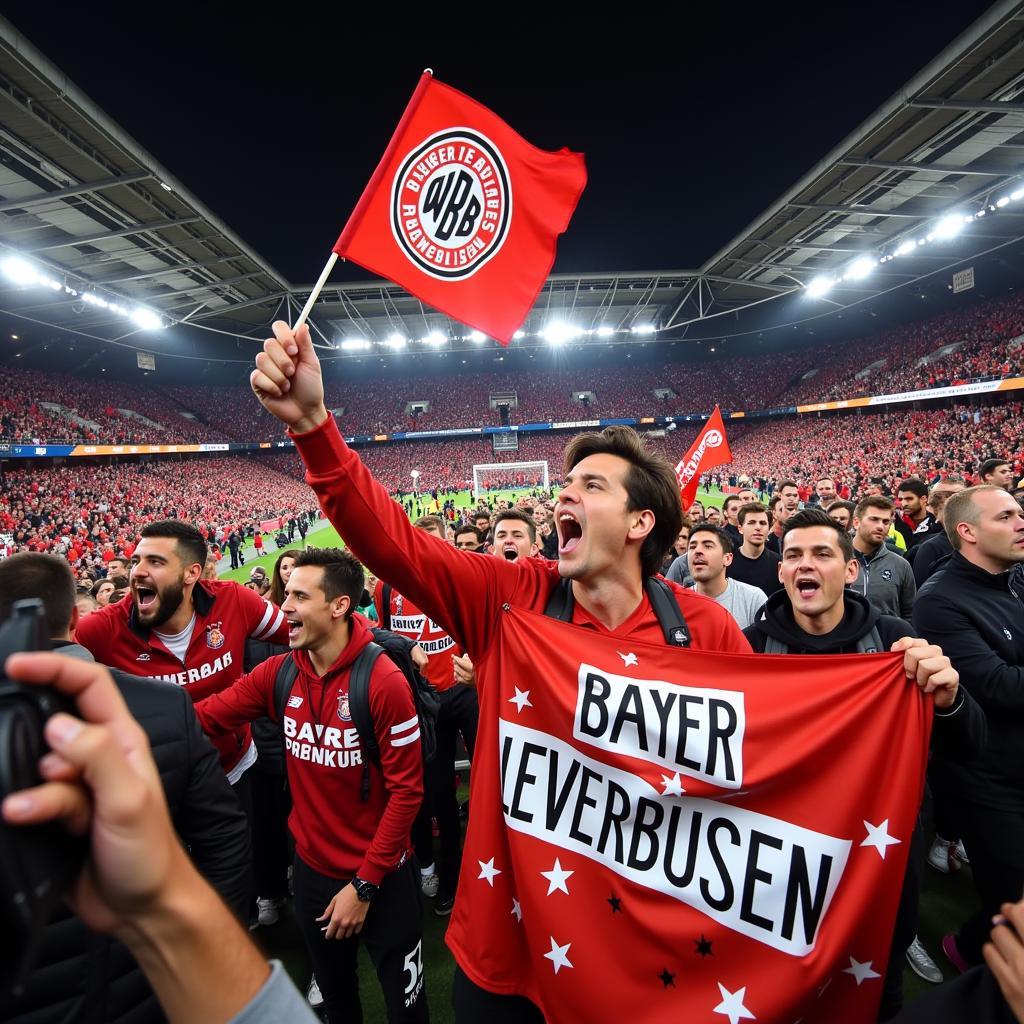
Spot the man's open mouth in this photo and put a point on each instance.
(294, 627)
(510, 552)
(570, 532)
(145, 598)
(807, 587)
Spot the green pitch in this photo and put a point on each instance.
(324, 535)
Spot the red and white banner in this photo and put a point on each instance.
(665, 835)
(464, 213)
(710, 449)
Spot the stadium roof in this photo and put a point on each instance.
(106, 229)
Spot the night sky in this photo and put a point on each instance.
(691, 125)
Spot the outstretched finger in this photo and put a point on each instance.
(53, 801)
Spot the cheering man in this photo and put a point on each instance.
(616, 515)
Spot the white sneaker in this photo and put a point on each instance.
(429, 884)
(938, 855)
(313, 996)
(269, 911)
(922, 964)
(960, 853)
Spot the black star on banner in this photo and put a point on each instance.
(703, 947)
(667, 978)
(615, 903)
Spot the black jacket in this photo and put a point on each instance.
(265, 733)
(959, 731)
(88, 978)
(929, 557)
(978, 618)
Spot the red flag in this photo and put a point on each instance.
(643, 847)
(462, 212)
(710, 449)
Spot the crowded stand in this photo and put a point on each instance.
(90, 513)
(985, 337)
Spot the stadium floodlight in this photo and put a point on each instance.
(949, 227)
(605, 332)
(643, 329)
(20, 271)
(1002, 201)
(558, 333)
(435, 338)
(355, 345)
(906, 247)
(860, 268)
(519, 335)
(1017, 194)
(396, 341)
(144, 318)
(820, 286)
(477, 336)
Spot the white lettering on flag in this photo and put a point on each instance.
(766, 878)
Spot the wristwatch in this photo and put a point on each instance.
(364, 890)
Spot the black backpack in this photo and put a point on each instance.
(424, 697)
(670, 616)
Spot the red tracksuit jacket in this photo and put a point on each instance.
(335, 832)
(227, 614)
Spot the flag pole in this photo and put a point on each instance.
(317, 288)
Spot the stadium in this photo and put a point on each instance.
(865, 327)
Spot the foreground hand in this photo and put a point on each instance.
(287, 378)
(1005, 957)
(344, 915)
(100, 780)
(927, 666)
(465, 673)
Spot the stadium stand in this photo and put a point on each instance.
(977, 343)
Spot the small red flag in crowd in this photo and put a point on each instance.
(464, 213)
(710, 449)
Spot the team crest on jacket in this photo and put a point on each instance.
(344, 712)
(214, 636)
(887, 574)
(451, 204)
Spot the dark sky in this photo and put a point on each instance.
(691, 124)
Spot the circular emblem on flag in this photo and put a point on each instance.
(344, 712)
(451, 204)
(713, 438)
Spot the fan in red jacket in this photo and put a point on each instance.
(181, 630)
(352, 869)
(616, 516)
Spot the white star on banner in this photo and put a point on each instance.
(878, 837)
(862, 972)
(521, 700)
(627, 659)
(732, 1006)
(557, 955)
(557, 878)
(488, 872)
(517, 909)
(673, 785)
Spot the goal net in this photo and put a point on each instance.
(508, 476)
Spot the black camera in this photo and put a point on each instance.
(37, 862)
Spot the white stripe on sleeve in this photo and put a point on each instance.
(268, 613)
(273, 627)
(404, 726)
(406, 740)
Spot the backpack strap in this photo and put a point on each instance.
(561, 605)
(385, 606)
(870, 643)
(561, 602)
(287, 673)
(666, 608)
(359, 706)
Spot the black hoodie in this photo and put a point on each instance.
(958, 732)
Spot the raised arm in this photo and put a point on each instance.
(461, 591)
